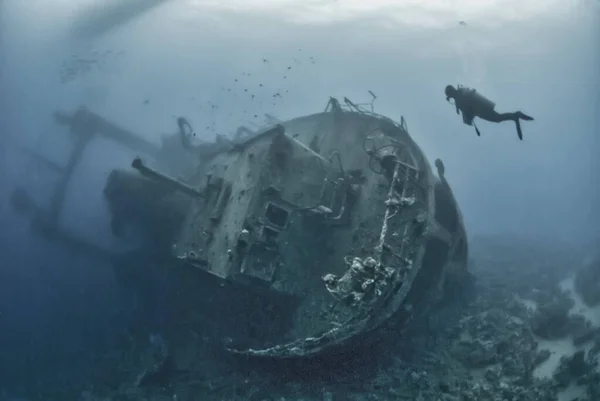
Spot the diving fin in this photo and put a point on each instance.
(519, 132)
(477, 130)
(524, 116)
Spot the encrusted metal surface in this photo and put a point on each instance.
(393, 226)
(337, 215)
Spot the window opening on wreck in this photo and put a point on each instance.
(268, 234)
(445, 210)
(276, 215)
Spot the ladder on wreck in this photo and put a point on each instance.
(405, 175)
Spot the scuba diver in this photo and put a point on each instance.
(473, 104)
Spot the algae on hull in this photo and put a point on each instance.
(335, 219)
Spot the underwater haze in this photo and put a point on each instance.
(220, 63)
(183, 57)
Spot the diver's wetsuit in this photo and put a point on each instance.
(496, 117)
(472, 105)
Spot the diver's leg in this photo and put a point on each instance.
(495, 117)
(499, 117)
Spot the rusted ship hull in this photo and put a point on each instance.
(336, 215)
(339, 210)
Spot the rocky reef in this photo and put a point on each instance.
(520, 335)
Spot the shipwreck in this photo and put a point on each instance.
(335, 220)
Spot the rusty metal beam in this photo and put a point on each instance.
(84, 122)
(149, 172)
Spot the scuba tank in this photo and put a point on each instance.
(476, 100)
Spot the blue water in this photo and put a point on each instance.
(541, 57)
